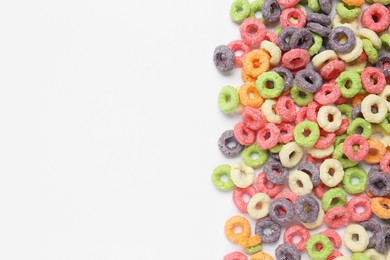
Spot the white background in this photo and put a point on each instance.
(109, 129)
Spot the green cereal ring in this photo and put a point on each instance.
(228, 99)
(256, 8)
(311, 245)
(277, 81)
(253, 249)
(369, 1)
(303, 2)
(338, 154)
(333, 198)
(354, 83)
(340, 139)
(385, 38)
(246, 155)
(360, 256)
(276, 148)
(317, 44)
(301, 138)
(278, 30)
(240, 10)
(370, 50)
(300, 96)
(385, 124)
(354, 172)
(216, 177)
(361, 127)
(314, 5)
(346, 110)
(347, 12)
(383, 2)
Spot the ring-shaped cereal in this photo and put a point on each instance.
(291, 154)
(320, 153)
(339, 155)
(246, 78)
(253, 249)
(337, 217)
(288, 195)
(238, 197)
(372, 36)
(373, 80)
(355, 238)
(319, 252)
(300, 96)
(235, 256)
(327, 94)
(265, 90)
(386, 96)
(299, 183)
(349, 83)
(354, 173)
(216, 177)
(292, 13)
(332, 69)
(246, 155)
(256, 63)
(295, 59)
(228, 99)
(239, 10)
(242, 175)
(380, 206)
(237, 221)
(347, 12)
(269, 188)
(359, 201)
(376, 18)
(247, 242)
(243, 134)
(252, 31)
(286, 109)
(370, 50)
(253, 118)
(239, 45)
(329, 118)
(354, 53)
(261, 256)
(370, 103)
(342, 39)
(300, 133)
(267, 223)
(296, 230)
(273, 50)
(317, 45)
(256, 7)
(335, 197)
(361, 152)
(322, 58)
(269, 111)
(376, 151)
(360, 126)
(331, 172)
(333, 236)
(317, 223)
(286, 134)
(268, 136)
(258, 205)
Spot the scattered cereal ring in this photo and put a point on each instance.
(241, 46)
(354, 203)
(325, 249)
(355, 231)
(238, 197)
(376, 151)
(300, 133)
(233, 222)
(307, 209)
(228, 99)
(337, 217)
(295, 59)
(352, 141)
(228, 144)
(266, 186)
(354, 173)
(256, 63)
(242, 175)
(292, 13)
(299, 183)
(252, 31)
(258, 205)
(296, 230)
(376, 18)
(271, 10)
(380, 206)
(268, 136)
(239, 10)
(248, 152)
(223, 58)
(267, 223)
(331, 172)
(374, 102)
(263, 86)
(219, 183)
(243, 134)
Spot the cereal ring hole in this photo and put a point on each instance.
(224, 177)
(231, 143)
(259, 205)
(303, 94)
(237, 229)
(238, 53)
(359, 130)
(330, 117)
(359, 209)
(331, 172)
(376, 17)
(252, 30)
(267, 231)
(355, 180)
(306, 132)
(254, 156)
(374, 108)
(385, 206)
(341, 39)
(296, 239)
(246, 198)
(373, 151)
(318, 246)
(299, 183)
(334, 201)
(379, 184)
(309, 79)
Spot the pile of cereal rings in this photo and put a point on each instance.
(315, 109)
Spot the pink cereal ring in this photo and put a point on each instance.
(267, 187)
(288, 3)
(332, 69)
(271, 36)
(268, 136)
(252, 32)
(335, 253)
(295, 59)
(312, 111)
(343, 127)
(243, 134)
(333, 236)
(327, 94)
(238, 197)
(253, 118)
(376, 17)
(286, 109)
(288, 195)
(320, 190)
(239, 46)
(359, 201)
(301, 115)
(235, 256)
(286, 133)
(362, 151)
(336, 217)
(379, 80)
(292, 14)
(342, 100)
(325, 140)
(297, 230)
(385, 163)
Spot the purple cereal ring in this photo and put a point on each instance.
(267, 223)
(276, 172)
(378, 184)
(383, 59)
(318, 29)
(287, 76)
(325, 6)
(374, 227)
(285, 35)
(228, 144)
(223, 58)
(281, 211)
(319, 18)
(308, 80)
(307, 208)
(375, 168)
(271, 11)
(336, 34)
(311, 170)
(301, 39)
(383, 240)
(287, 252)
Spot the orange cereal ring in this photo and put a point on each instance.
(256, 63)
(376, 151)
(357, 3)
(358, 98)
(261, 256)
(250, 96)
(246, 78)
(237, 221)
(245, 242)
(381, 207)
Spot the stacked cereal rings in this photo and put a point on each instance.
(315, 114)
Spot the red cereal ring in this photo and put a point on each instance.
(267, 187)
(301, 115)
(286, 133)
(271, 36)
(327, 94)
(235, 256)
(268, 136)
(359, 201)
(343, 127)
(288, 3)
(238, 197)
(288, 195)
(333, 236)
(376, 17)
(362, 151)
(297, 230)
(292, 14)
(237, 47)
(253, 118)
(373, 80)
(335, 253)
(295, 59)
(325, 139)
(252, 31)
(286, 109)
(332, 69)
(336, 217)
(385, 163)
(312, 111)
(243, 134)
